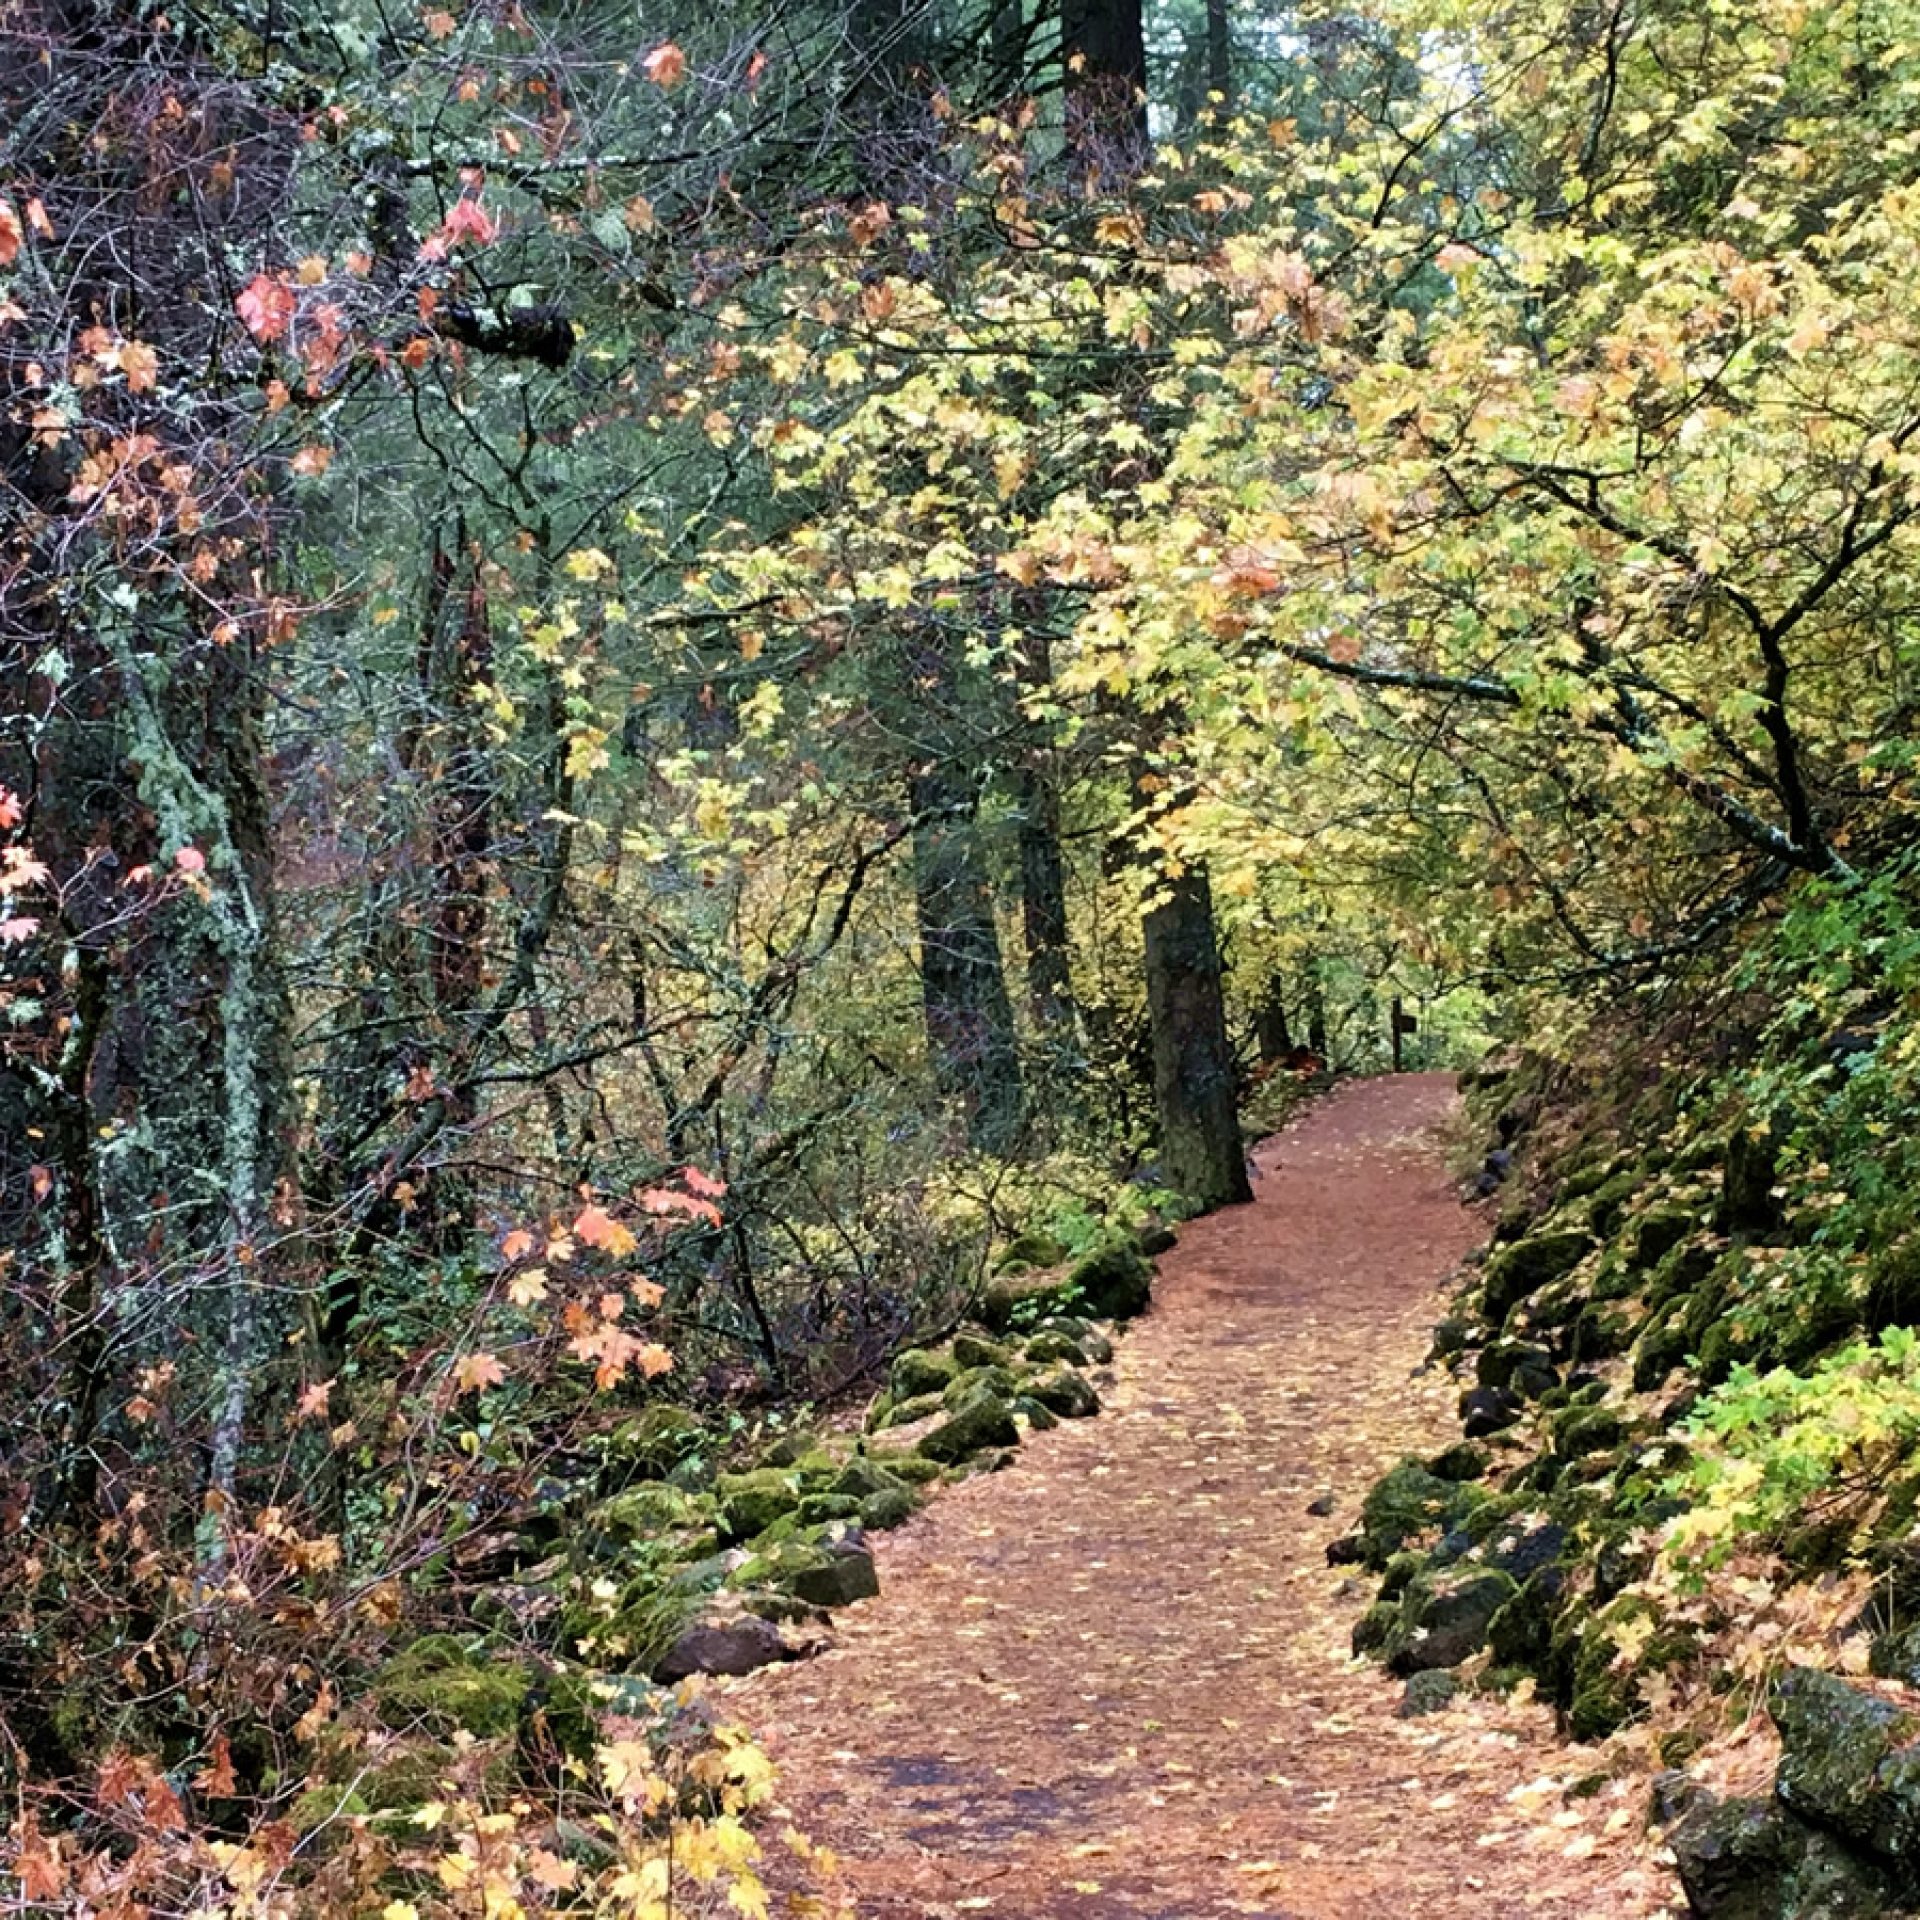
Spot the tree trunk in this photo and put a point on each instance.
(1104, 49)
(969, 1017)
(1270, 1030)
(1192, 1062)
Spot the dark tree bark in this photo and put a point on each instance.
(1193, 1079)
(1103, 45)
(1043, 868)
(1270, 1029)
(969, 1017)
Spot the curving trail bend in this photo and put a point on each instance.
(1113, 1682)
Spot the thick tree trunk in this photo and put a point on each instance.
(1043, 900)
(1192, 1062)
(969, 1017)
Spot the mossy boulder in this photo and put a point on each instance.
(1656, 1233)
(995, 1380)
(749, 1503)
(652, 1443)
(1752, 1860)
(1849, 1761)
(917, 1371)
(1520, 1365)
(1464, 1460)
(1520, 1634)
(1115, 1280)
(1427, 1692)
(914, 1468)
(1061, 1390)
(971, 1349)
(1039, 1419)
(1030, 1250)
(628, 1626)
(888, 1507)
(904, 1413)
(1607, 1656)
(982, 1421)
(1405, 1503)
(440, 1685)
(1022, 1298)
(1542, 1257)
(820, 1572)
(1578, 1431)
(1051, 1345)
(1444, 1617)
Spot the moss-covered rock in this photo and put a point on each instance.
(1407, 1502)
(1582, 1430)
(1611, 1653)
(983, 1421)
(904, 1413)
(914, 1468)
(1115, 1279)
(1063, 1391)
(749, 1503)
(1752, 1860)
(1021, 1299)
(888, 1507)
(1520, 1634)
(645, 1511)
(1464, 1460)
(996, 1380)
(1039, 1419)
(1444, 1617)
(1051, 1345)
(1849, 1761)
(1031, 1250)
(1427, 1692)
(917, 1371)
(971, 1350)
(1527, 1265)
(439, 1685)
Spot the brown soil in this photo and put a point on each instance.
(1114, 1680)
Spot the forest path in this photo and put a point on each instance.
(1113, 1683)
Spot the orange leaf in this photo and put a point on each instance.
(217, 1777)
(665, 66)
(478, 1371)
(517, 1245)
(37, 218)
(141, 365)
(704, 1184)
(10, 234)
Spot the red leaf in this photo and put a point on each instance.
(266, 305)
(704, 1184)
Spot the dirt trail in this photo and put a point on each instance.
(1114, 1680)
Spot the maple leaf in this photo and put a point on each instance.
(756, 70)
(37, 218)
(468, 220)
(190, 860)
(312, 1404)
(517, 1245)
(11, 812)
(266, 307)
(478, 1371)
(10, 234)
(141, 365)
(15, 928)
(528, 1287)
(312, 462)
(704, 1184)
(666, 65)
(597, 1228)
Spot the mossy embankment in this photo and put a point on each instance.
(1687, 1484)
